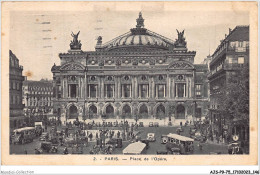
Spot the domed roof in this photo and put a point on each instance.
(138, 37)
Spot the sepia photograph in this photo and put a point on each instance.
(113, 82)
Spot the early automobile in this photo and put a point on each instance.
(156, 124)
(38, 128)
(24, 135)
(44, 136)
(184, 144)
(48, 147)
(150, 124)
(235, 148)
(179, 129)
(151, 137)
(164, 139)
(199, 137)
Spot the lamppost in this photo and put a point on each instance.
(27, 107)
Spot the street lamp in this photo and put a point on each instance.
(27, 107)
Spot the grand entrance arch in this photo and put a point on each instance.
(126, 111)
(73, 112)
(110, 111)
(143, 111)
(160, 112)
(92, 112)
(180, 112)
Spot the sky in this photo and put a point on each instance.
(37, 37)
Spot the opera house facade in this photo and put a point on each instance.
(138, 76)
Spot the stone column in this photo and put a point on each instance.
(119, 87)
(150, 87)
(168, 86)
(192, 86)
(173, 88)
(136, 88)
(133, 93)
(116, 87)
(65, 87)
(153, 87)
(102, 87)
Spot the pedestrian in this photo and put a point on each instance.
(65, 151)
(200, 146)
(90, 136)
(118, 134)
(25, 151)
(96, 135)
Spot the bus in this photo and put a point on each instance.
(24, 135)
(182, 143)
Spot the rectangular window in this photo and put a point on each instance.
(241, 60)
(143, 91)
(230, 60)
(161, 91)
(198, 90)
(92, 91)
(198, 87)
(109, 90)
(180, 90)
(126, 90)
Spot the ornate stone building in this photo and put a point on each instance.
(37, 96)
(139, 75)
(15, 91)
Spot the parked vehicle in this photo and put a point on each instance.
(38, 128)
(24, 135)
(150, 124)
(45, 146)
(44, 136)
(156, 124)
(235, 148)
(164, 139)
(184, 144)
(151, 137)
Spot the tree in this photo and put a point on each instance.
(234, 100)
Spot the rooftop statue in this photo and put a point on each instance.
(180, 42)
(75, 43)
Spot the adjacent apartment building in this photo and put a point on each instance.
(232, 55)
(15, 91)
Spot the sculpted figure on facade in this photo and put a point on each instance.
(180, 42)
(75, 43)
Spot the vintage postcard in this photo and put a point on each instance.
(129, 83)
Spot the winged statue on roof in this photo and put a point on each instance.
(180, 42)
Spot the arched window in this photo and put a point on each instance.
(160, 111)
(109, 111)
(73, 112)
(126, 111)
(92, 111)
(143, 111)
(180, 112)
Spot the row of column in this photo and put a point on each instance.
(170, 87)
